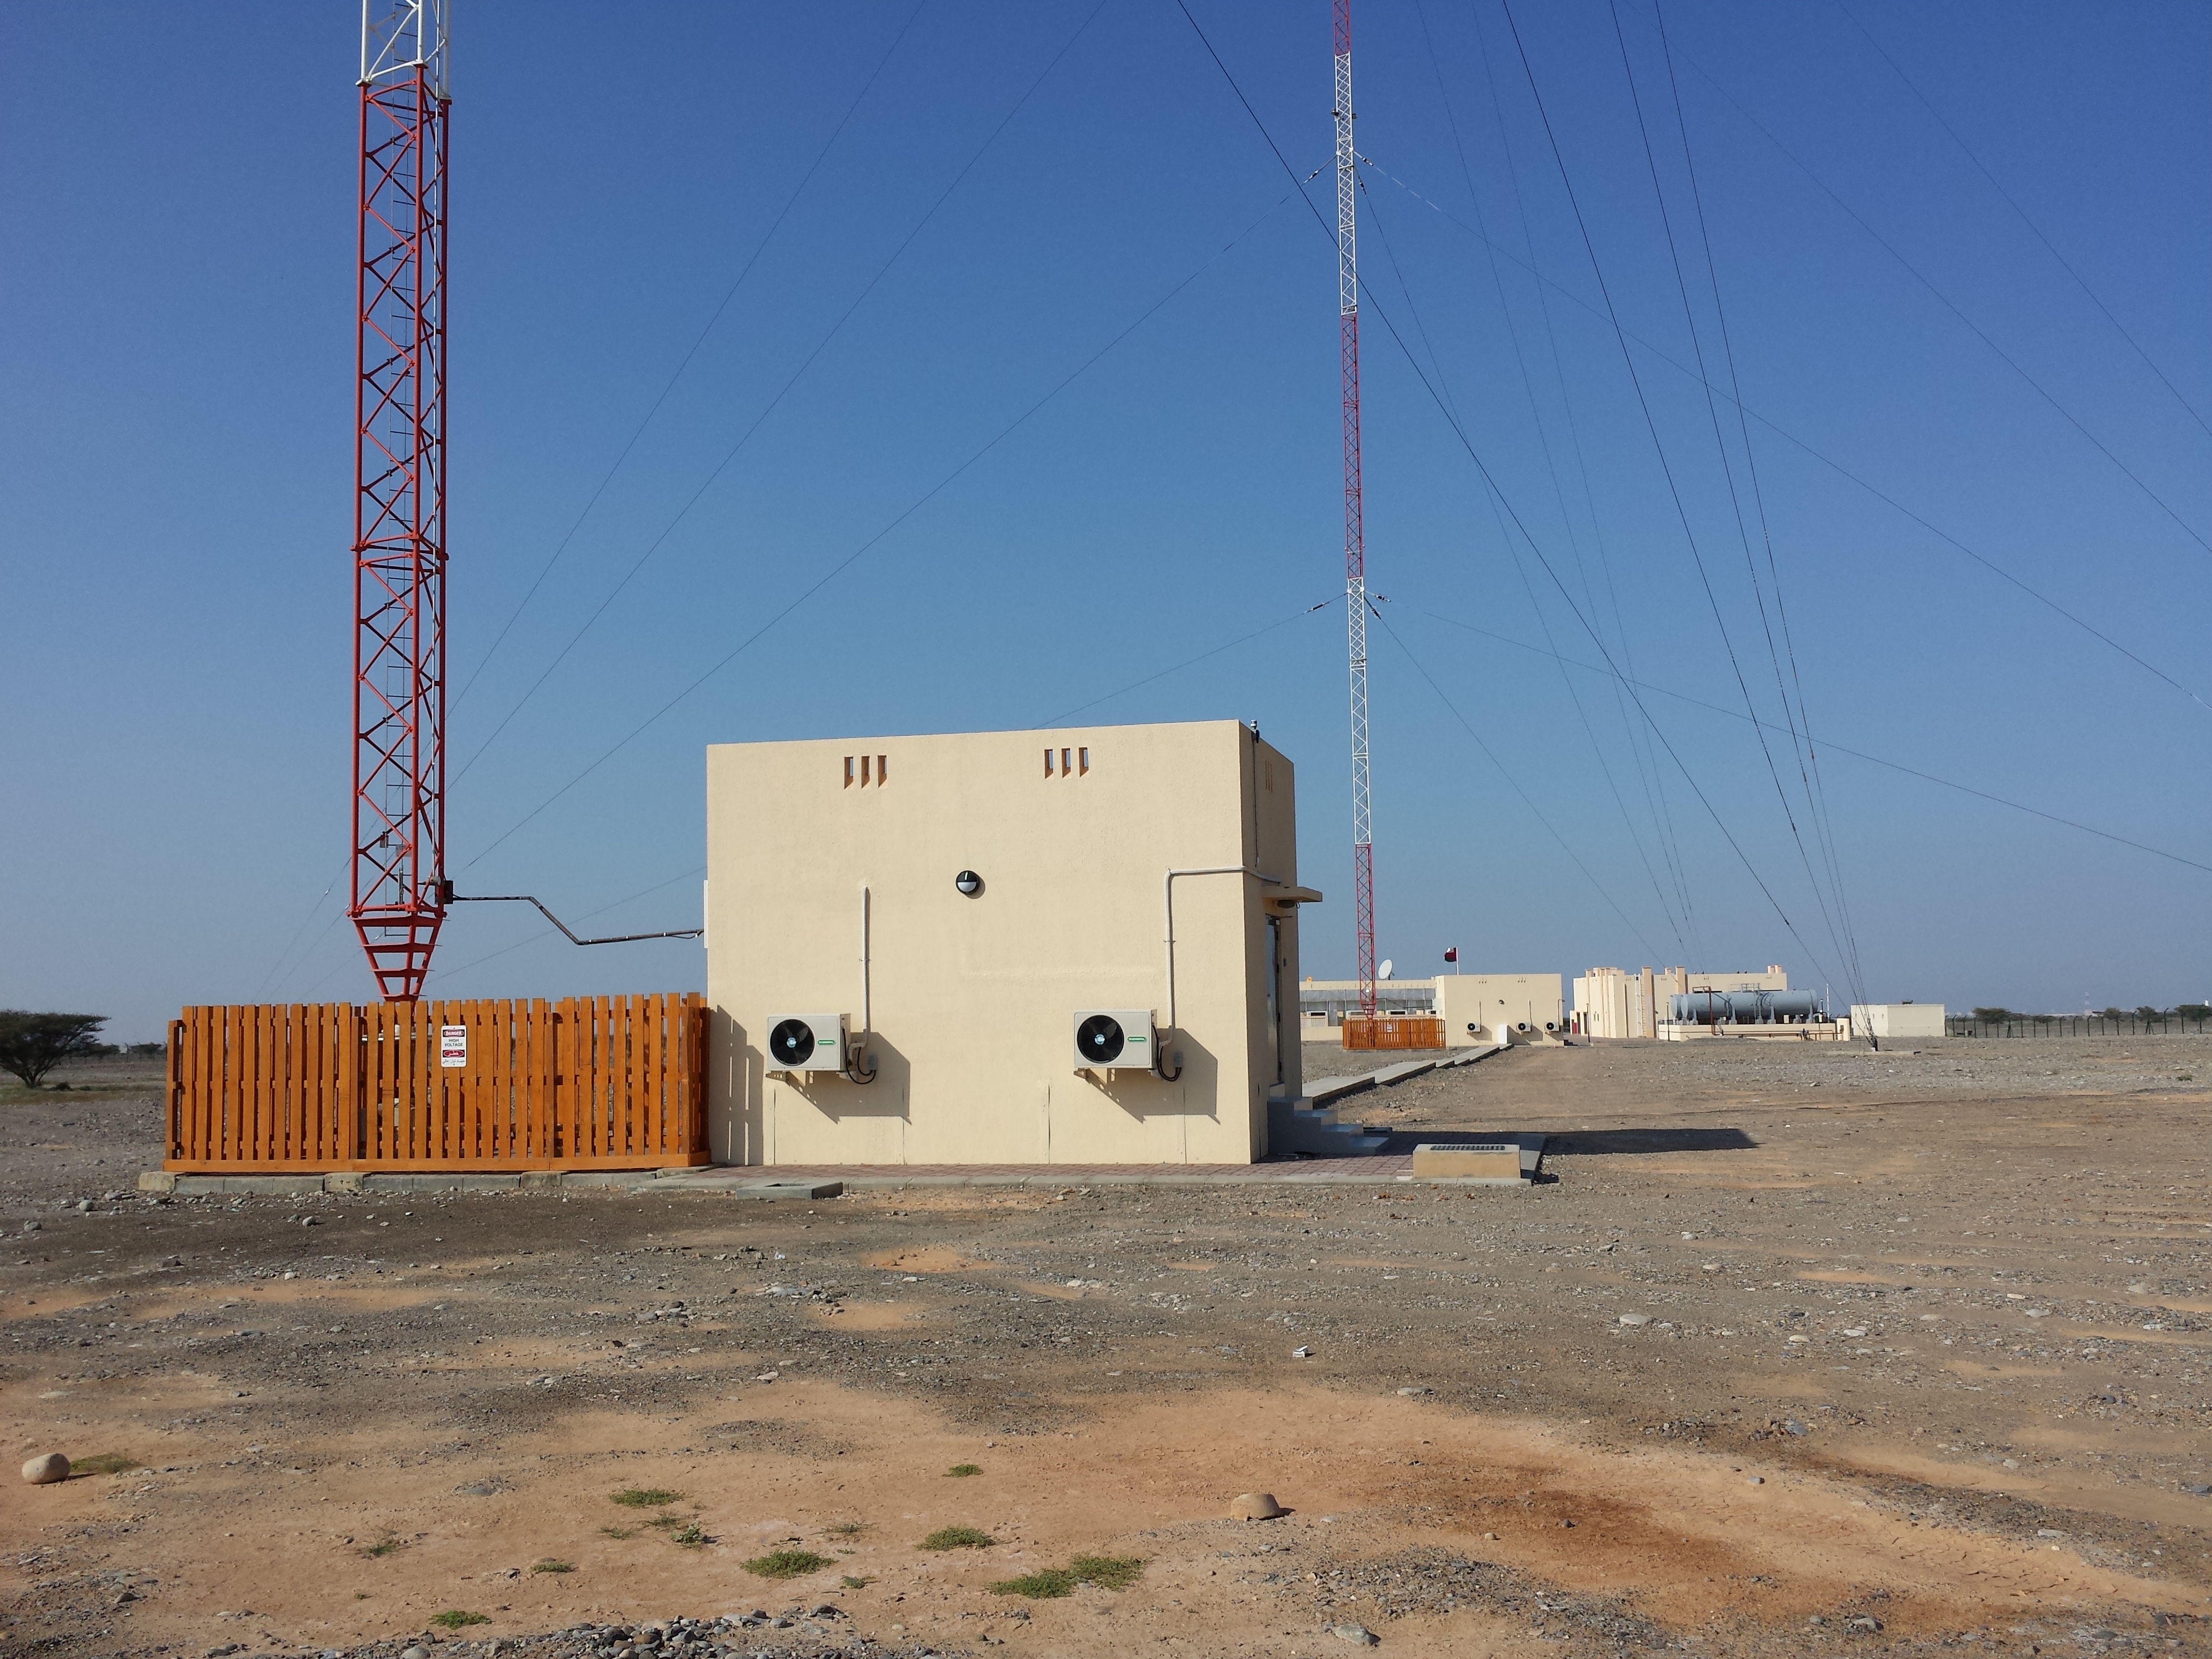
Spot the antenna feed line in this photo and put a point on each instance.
(447, 895)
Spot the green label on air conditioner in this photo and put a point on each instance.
(1139, 1039)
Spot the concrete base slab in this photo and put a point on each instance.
(437, 1181)
(1404, 1072)
(156, 1181)
(273, 1186)
(1498, 1161)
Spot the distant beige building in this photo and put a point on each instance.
(907, 935)
(1610, 1002)
(1897, 1019)
(1475, 1008)
(1489, 1008)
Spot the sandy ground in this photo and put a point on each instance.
(1796, 1349)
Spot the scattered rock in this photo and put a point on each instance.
(1413, 1391)
(1490, 1538)
(1864, 1621)
(1255, 1506)
(1756, 1480)
(1793, 1426)
(46, 1468)
(1635, 1319)
(1358, 1633)
(1302, 1354)
(415, 1653)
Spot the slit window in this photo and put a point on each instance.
(1067, 764)
(883, 769)
(1048, 762)
(1083, 760)
(848, 771)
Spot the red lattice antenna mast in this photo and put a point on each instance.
(399, 496)
(1355, 544)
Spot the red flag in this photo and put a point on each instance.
(1452, 955)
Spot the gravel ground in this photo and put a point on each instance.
(1953, 1304)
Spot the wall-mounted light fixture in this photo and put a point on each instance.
(969, 883)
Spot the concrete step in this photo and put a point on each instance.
(1298, 1125)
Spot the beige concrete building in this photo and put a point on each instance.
(906, 937)
(1610, 1002)
(1897, 1019)
(1502, 1007)
(1490, 1008)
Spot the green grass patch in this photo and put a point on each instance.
(458, 1619)
(846, 1528)
(788, 1564)
(1112, 1572)
(1043, 1585)
(959, 1538)
(689, 1537)
(646, 1497)
(104, 1463)
(383, 1546)
(548, 1565)
(619, 1532)
(1107, 1571)
(961, 1471)
(850, 1583)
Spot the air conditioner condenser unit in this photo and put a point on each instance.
(1115, 1040)
(805, 1042)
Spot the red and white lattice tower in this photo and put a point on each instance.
(1355, 545)
(399, 496)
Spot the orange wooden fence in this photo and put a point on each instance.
(1399, 1031)
(586, 1083)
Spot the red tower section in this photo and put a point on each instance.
(400, 497)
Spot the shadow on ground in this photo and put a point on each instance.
(1601, 1143)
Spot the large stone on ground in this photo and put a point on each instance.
(1255, 1506)
(46, 1468)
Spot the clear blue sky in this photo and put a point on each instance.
(176, 291)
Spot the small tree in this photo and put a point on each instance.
(2112, 1013)
(1994, 1016)
(31, 1045)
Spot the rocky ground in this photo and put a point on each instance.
(1796, 1349)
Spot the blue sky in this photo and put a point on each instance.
(175, 292)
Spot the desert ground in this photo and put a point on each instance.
(1793, 1350)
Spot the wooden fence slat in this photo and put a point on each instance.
(605, 1082)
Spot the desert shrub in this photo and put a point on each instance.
(458, 1619)
(1043, 1585)
(959, 1538)
(646, 1497)
(788, 1563)
(1108, 1571)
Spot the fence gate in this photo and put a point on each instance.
(1417, 1031)
(585, 1082)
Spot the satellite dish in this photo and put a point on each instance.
(1383, 972)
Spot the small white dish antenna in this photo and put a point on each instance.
(1383, 972)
